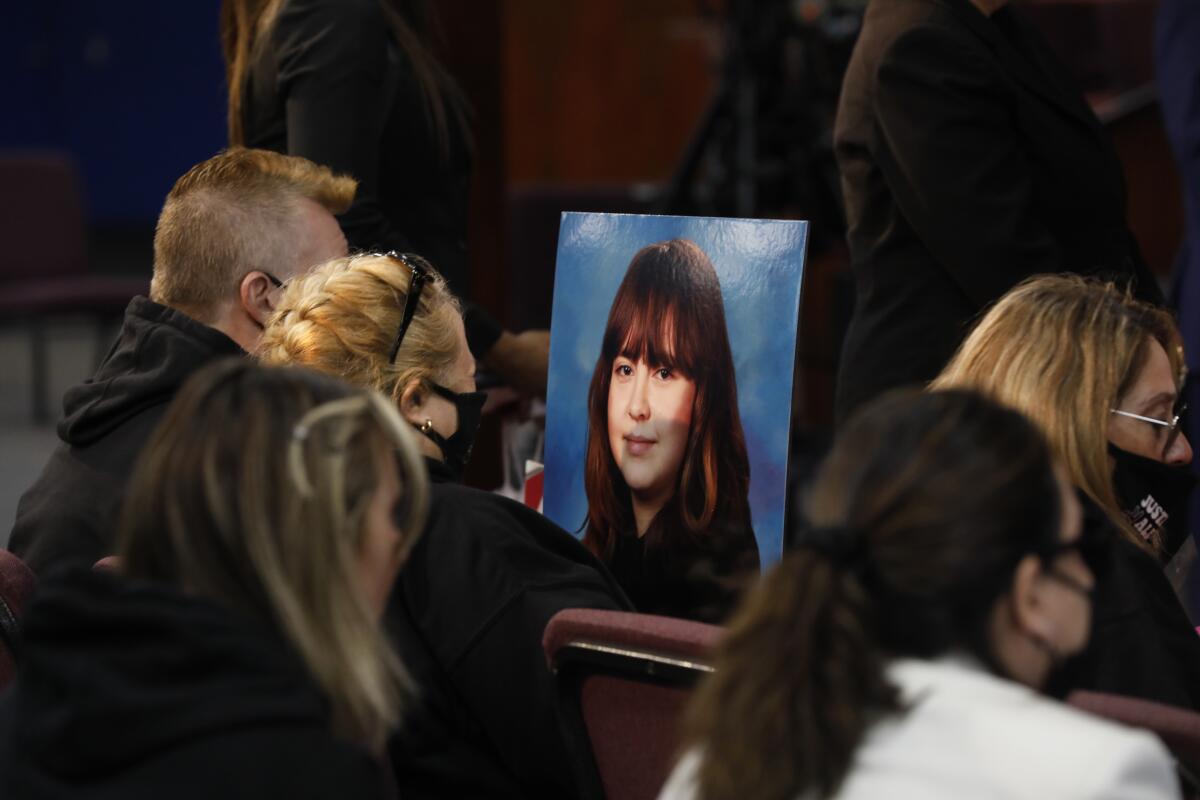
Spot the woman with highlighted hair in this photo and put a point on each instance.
(1100, 372)
(899, 649)
(237, 653)
(667, 475)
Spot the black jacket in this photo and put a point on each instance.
(701, 582)
(1142, 644)
(67, 516)
(132, 690)
(969, 162)
(331, 84)
(467, 616)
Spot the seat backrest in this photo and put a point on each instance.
(17, 583)
(42, 226)
(623, 681)
(1179, 728)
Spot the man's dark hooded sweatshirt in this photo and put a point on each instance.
(67, 516)
(131, 690)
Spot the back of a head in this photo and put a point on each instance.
(343, 317)
(252, 493)
(237, 212)
(1063, 349)
(917, 521)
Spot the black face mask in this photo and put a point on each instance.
(1154, 497)
(456, 449)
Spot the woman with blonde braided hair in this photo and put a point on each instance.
(345, 319)
(238, 653)
(468, 610)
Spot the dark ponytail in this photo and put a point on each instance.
(918, 519)
(799, 664)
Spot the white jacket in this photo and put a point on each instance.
(969, 734)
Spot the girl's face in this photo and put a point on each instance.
(649, 418)
(1153, 396)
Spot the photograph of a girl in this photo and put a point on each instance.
(672, 358)
(667, 475)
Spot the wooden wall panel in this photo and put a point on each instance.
(602, 91)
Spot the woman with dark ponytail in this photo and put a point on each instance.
(898, 651)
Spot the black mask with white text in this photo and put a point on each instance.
(1154, 497)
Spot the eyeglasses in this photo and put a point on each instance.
(421, 274)
(1172, 426)
(278, 283)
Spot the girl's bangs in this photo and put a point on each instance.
(653, 335)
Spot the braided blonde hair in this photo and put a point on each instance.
(342, 318)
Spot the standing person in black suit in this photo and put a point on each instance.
(353, 85)
(969, 162)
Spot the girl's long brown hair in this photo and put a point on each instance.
(932, 499)
(668, 311)
(245, 24)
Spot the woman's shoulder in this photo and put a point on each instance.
(482, 513)
(293, 12)
(887, 23)
(498, 542)
(1133, 581)
(911, 38)
(997, 741)
(328, 30)
(1000, 731)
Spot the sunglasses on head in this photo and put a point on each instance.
(422, 273)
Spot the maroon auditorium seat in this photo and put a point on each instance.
(623, 681)
(17, 583)
(44, 269)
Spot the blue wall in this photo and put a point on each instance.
(134, 89)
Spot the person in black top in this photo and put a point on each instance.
(1100, 372)
(666, 474)
(231, 230)
(351, 84)
(470, 607)
(968, 162)
(237, 653)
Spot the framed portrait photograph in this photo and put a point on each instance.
(669, 402)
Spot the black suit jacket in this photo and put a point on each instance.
(969, 161)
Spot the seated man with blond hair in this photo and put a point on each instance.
(232, 230)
